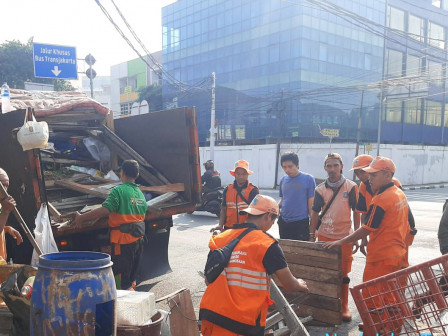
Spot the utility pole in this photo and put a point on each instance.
(378, 141)
(212, 119)
(382, 96)
(358, 133)
(280, 114)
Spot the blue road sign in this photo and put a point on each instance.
(54, 61)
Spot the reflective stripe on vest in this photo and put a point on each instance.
(234, 204)
(237, 276)
(238, 299)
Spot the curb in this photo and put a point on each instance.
(437, 186)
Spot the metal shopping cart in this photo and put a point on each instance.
(413, 301)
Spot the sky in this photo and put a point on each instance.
(82, 24)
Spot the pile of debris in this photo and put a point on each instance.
(80, 164)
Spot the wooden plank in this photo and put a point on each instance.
(71, 162)
(322, 288)
(54, 212)
(304, 245)
(291, 320)
(163, 298)
(176, 187)
(72, 117)
(323, 315)
(182, 316)
(315, 252)
(84, 189)
(313, 300)
(317, 273)
(294, 258)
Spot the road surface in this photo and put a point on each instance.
(190, 234)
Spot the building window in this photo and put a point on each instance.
(413, 65)
(436, 35)
(393, 111)
(125, 108)
(435, 74)
(433, 113)
(412, 111)
(164, 38)
(416, 28)
(394, 63)
(436, 3)
(445, 4)
(446, 115)
(395, 18)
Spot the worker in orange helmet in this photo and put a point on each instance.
(386, 223)
(366, 193)
(236, 197)
(236, 303)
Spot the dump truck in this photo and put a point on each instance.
(165, 144)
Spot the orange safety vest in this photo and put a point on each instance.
(238, 299)
(234, 204)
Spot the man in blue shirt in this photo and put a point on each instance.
(296, 199)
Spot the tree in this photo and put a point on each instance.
(16, 67)
(153, 95)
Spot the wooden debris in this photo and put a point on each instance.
(88, 163)
(183, 321)
(101, 191)
(54, 212)
(321, 269)
(116, 144)
(163, 298)
(176, 187)
(292, 321)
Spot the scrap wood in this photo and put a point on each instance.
(71, 162)
(292, 321)
(177, 187)
(162, 198)
(101, 191)
(321, 269)
(54, 212)
(149, 173)
(163, 298)
(183, 321)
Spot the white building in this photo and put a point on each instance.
(127, 78)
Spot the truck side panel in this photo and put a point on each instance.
(167, 140)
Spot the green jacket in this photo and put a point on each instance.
(443, 230)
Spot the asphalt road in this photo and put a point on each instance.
(190, 234)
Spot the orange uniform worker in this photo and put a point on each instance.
(236, 303)
(236, 197)
(7, 205)
(366, 194)
(337, 220)
(386, 224)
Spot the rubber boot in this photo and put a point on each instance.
(346, 315)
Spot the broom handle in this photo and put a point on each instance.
(25, 228)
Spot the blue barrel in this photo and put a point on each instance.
(73, 294)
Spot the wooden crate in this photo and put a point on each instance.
(321, 269)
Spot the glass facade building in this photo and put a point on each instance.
(292, 68)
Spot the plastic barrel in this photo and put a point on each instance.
(73, 294)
